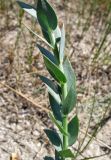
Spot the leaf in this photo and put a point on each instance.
(47, 54)
(56, 108)
(55, 70)
(57, 156)
(66, 153)
(57, 124)
(57, 33)
(54, 138)
(49, 62)
(69, 73)
(52, 88)
(46, 16)
(28, 8)
(62, 44)
(46, 36)
(56, 52)
(69, 102)
(48, 158)
(73, 130)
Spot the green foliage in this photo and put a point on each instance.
(28, 8)
(66, 153)
(62, 89)
(46, 16)
(69, 102)
(54, 138)
(56, 108)
(73, 130)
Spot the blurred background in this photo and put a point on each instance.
(23, 97)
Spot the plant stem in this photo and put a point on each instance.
(65, 117)
(65, 137)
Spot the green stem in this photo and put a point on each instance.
(65, 137)
(65, 117)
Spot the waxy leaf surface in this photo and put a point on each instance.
(52, 88)
(56, 108)
(69, 102)
(73, 130)
(54, 138)
(46, 16)
(66, 153)
(58, 124)
(49, 62)
(28, 8)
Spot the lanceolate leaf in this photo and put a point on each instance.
(55, 70)
(57, 124)
(69, 102)
(56, 108)
(28, 8)
(52, 88)
(46, 16)
(47, 54)
(69, 73)
(66, 153)
(49, 62)
(62, 44)
(54, 138)
(73, 129)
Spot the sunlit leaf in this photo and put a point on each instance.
(69, 73)
(28, 8)
(57, 124)
(69, 102)
(66, 153)
(56, 108)
(73, 130)
(52, 88)
(46, 15)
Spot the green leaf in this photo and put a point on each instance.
(56, 52)
(46, 16)
(62, 44)
(66, 153)
(48, 158)
(46, 36)
(69, 102)
(55, 70)
(73, 130)
(49, 62)
(52, 88)
(47, 54)
(28, 8)
(57, 156)
(56, 108)
(57, 124)
(69, 73)
(54, 138)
